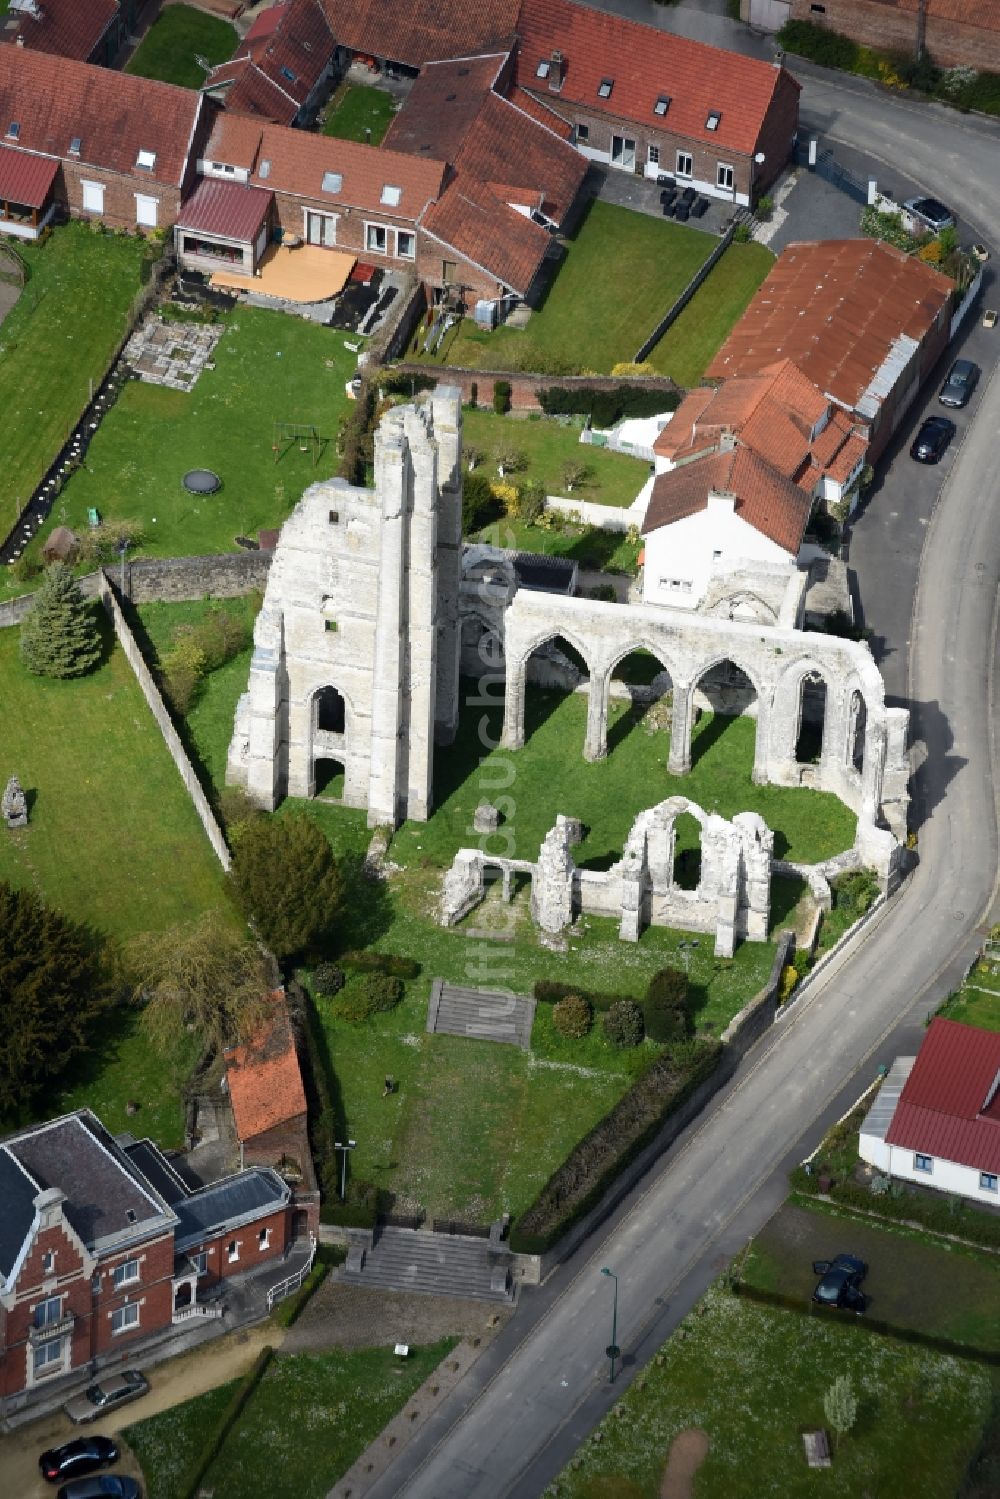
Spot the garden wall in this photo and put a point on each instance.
(674, 312)
(523, 387)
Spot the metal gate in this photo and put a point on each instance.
(829, 168)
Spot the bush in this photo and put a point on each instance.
(551, 991)
(102, 543)
(828, 48)
(369, 994)
(360, 1210)
(765, 208)
(530, 503)
(665, 1009)
(328, 980)
(855, 892)
(573, 1017)
(623, 1024)
(26, 569)
(605, 407)
(742, 234)
(356, 443)
(381, 962)
(480, 506)
(501, 397)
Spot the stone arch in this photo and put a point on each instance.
(549, 637)
(734, 690)
(329, 710)
(732, 606)
(643, 644)
(791, 706)
(331, 718)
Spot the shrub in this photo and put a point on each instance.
(501, 397)
(551, 991)
(102, 543)
(480, 506)
(26, 569)
(236, 807)
(530, 503)
(665, 1010)
(360, 1209)
(765, 208)
(509, 459)
(573, 1017)
(356, 443)
(474, 394)
(789, 979)
(605, 407)
(828, 48)
(623, 1024)
(381, 962)
(742, 234)
(854, 892)
(328, 979)
(369, 994)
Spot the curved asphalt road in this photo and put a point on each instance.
(535, 1393)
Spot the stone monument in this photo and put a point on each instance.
(14, 805)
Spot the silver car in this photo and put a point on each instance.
(930, 214)
(99, 1398)
(961, 382)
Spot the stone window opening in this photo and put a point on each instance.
(811, 719)
(857, 719)
(329, 776)
(726, 692)
(687, 852)
(330, 710)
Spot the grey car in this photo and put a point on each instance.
(105, 1395)
(930, 214)
(961, 382)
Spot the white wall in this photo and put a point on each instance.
(681, 558)
(944, 1176)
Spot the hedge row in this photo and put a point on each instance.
(942, 1215)
(381, 962)
(605, 407)
(321, 1115)
(191, 1482)
(550, 992)
(356, 443)
(365, 1203)
(591, 1167)
(291, 1309)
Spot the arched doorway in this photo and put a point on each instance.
(640, 691)
(554, 671)
(329, 778)
(687, 852)
(811, 719)
(722, 694)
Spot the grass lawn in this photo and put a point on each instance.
(548, 446)
(978, 1000)
(357, 108)
(552, 536)
(268, 367)
(690, 343)
(179, 35)
(310, 1418)
(60, 334)
(621, 272)
(753, 1379)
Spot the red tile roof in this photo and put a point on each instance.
(265, 1083)
(765, 498)
(419, 33)
(644, 63)
(114, 115)
(442, 105)
(267, 21)
(473, 221)
(949, 1106)
(835, 308)
(540, 111)
(65, 28)
(278, 65)
(24, 178)
(227, 209)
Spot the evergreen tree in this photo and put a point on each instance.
(54, 983)
(286, 881)
(60, 637)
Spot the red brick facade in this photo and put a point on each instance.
(255, 1244)
(951, 36)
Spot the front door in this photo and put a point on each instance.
(623, 153)
(321, 229)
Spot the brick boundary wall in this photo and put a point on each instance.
(523, 387)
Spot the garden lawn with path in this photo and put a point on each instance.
(754, 1379)
(690, 343)
(548, 446)
(59, 336)
(977, 1002)
(356, 109)
(170, 49)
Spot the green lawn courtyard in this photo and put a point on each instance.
(977, 1002)
(689, 345)
(548, 445)
(359, 113)
(177, 38)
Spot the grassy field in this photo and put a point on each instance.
(978, 1000)
(612, 551)
(310, 1418)
(621, 272)
(177, 38)
(754, 1379)
(356, 109)
(690, 343)
(267, 367)
(548, 445)
(60, 335)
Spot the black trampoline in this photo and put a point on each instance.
(201, 481)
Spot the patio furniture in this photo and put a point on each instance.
(683, 213)
(668, 209)
(699, 208)
(688, 195)
(664, 179)
(291, 241)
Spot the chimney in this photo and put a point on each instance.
(727, 442)
(556, 72)
(48, 1206)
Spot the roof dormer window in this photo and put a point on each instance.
(264, 170)
(604, 88)
(287, 73)
(146, 160)
(391, 195)
(662, 104)
(75, 145)
(544, 68)
(714, 120)
(13, 130)
(332, 181)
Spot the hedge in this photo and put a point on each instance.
(550, 992)
(942, 1215)
(605, 407)
(591, 1167)
(289, 1310)
(381, 962)
(361, 1210)
(321, 1115)
(191, 1483)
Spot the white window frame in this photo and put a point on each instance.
(233, 1251)
(680, 170)
(725, 177)
(125, 1274)
(200, 1261)
(989, 1181)
(400, 252)
(923, 1163)
(125, 1318)
(264, 1239)
(150, 207)
(48, 1261)
(329, 219)
(383, 229)
(44, 1355)
(91, 191)
(653, 155)
(582, 131)
(40, 1317)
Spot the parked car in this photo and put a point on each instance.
(841, 1282)
(104, 1396)
(930, 442)
(101, 1486)
(75, 1458)
(961, 382)
(930, 214)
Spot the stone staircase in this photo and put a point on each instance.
(480, 1014)
(430, 1264)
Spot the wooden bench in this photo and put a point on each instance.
(817, 1446)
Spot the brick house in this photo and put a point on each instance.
(405, 37)
(123, 149)
(83, 30)
(282, 68)
(954, 33)
(644, 101)
(104, 1247)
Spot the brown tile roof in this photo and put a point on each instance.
(540, 111)
(442, 105)
(25, 178)
(265, 1083)
(835, 308)
(644, 63)
(277, 65)
(425, 32)
(765, 498)
(292, 161)
(253, 93)
(114, 115)
(65, 28)
(229, 209)
(473, 221)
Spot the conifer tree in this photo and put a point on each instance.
(60, 637)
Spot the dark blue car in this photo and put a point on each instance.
(841, 1282)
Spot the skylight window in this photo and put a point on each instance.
(544, 68)
(146, 160)
(264, 170)
(75, 145)
(14, 130)
(714, 119)
(662, 104)
(604, 88)
(288, 74)
(332, 181)
(391, 195)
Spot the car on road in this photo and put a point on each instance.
(74, 1459)
(840, 1283)
(101, 1486)
(930, 213)
(930, 442)
(962, 380)
(98, 1398)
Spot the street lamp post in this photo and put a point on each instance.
(612, 1350)
(122, 549)
(345, 1148)
(685, 948)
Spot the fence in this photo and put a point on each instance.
(674, 312)
(827, 167)
(294, 1281)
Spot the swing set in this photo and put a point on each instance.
(303, 435)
